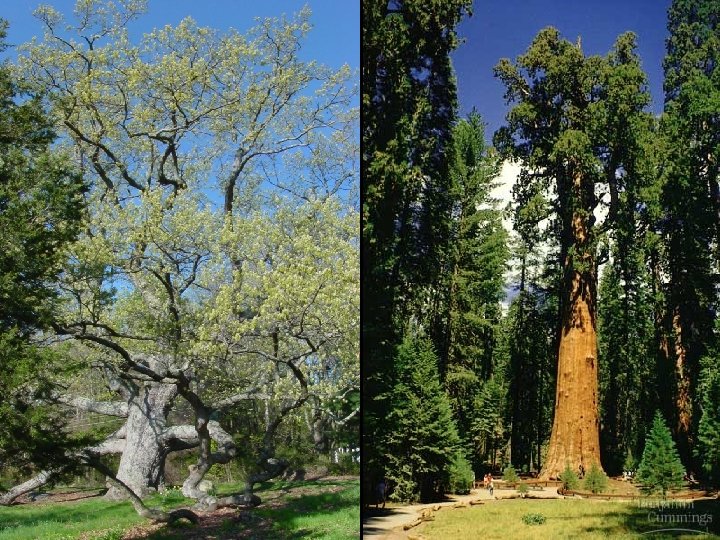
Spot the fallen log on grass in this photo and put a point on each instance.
(409, 526)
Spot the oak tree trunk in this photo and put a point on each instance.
(142, 465)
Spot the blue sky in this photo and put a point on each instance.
(334, 40)
(505, 28)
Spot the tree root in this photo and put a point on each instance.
(149, 513)
(209, 503)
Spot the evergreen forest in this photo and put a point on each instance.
(574, 336)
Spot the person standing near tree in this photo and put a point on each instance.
(381, 490)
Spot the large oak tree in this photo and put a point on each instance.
(219, 265)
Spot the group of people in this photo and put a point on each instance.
(488, 483)
(381, 489)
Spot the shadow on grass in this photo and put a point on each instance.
(655, 519)
(314, 511)
(29, 515)
(306, 516)
(274, 486)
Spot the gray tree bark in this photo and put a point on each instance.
(26, 487)
(114, 444)
(145, 440)
(142, 465)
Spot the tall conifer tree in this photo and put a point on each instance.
(477, 257)
(691, 200)
(422, 439)
(409, 102)
(707, 450)
(660, 468)
(560, 129)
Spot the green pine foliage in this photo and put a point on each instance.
(630, 463)
(708, 447)
(530, 329)
(660, 469)
(488, 430)
(467, 335)
(478, 252)
(434, 250)
(41, 210)
(627, 366)
(423, 440)
(510, 475)
(409, 106)
(569, 479)
(461, 474)
(690, 197)
(595, 481)
(625, 312)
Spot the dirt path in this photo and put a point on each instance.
(388, 524)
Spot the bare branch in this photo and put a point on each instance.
(110, 408)
(109, 153)
(345, 420)
(40, 479)
(237, 398)
(95, 339)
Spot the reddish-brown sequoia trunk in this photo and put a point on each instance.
(575, 438)
(683, 400)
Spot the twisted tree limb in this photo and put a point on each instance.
(40, 479)
(109, 408)
(150, 513)
(114, 444)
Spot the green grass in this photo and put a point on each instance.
(334, 516)
(295, 510)
(64, 520)
(569, 519)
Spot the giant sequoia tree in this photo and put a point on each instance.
(559, 130)
(219, 264)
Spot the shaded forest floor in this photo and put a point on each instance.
(321, 508)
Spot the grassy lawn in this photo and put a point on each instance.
(64, 520)
(572, 518)
(309, 509)
(334, 516)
